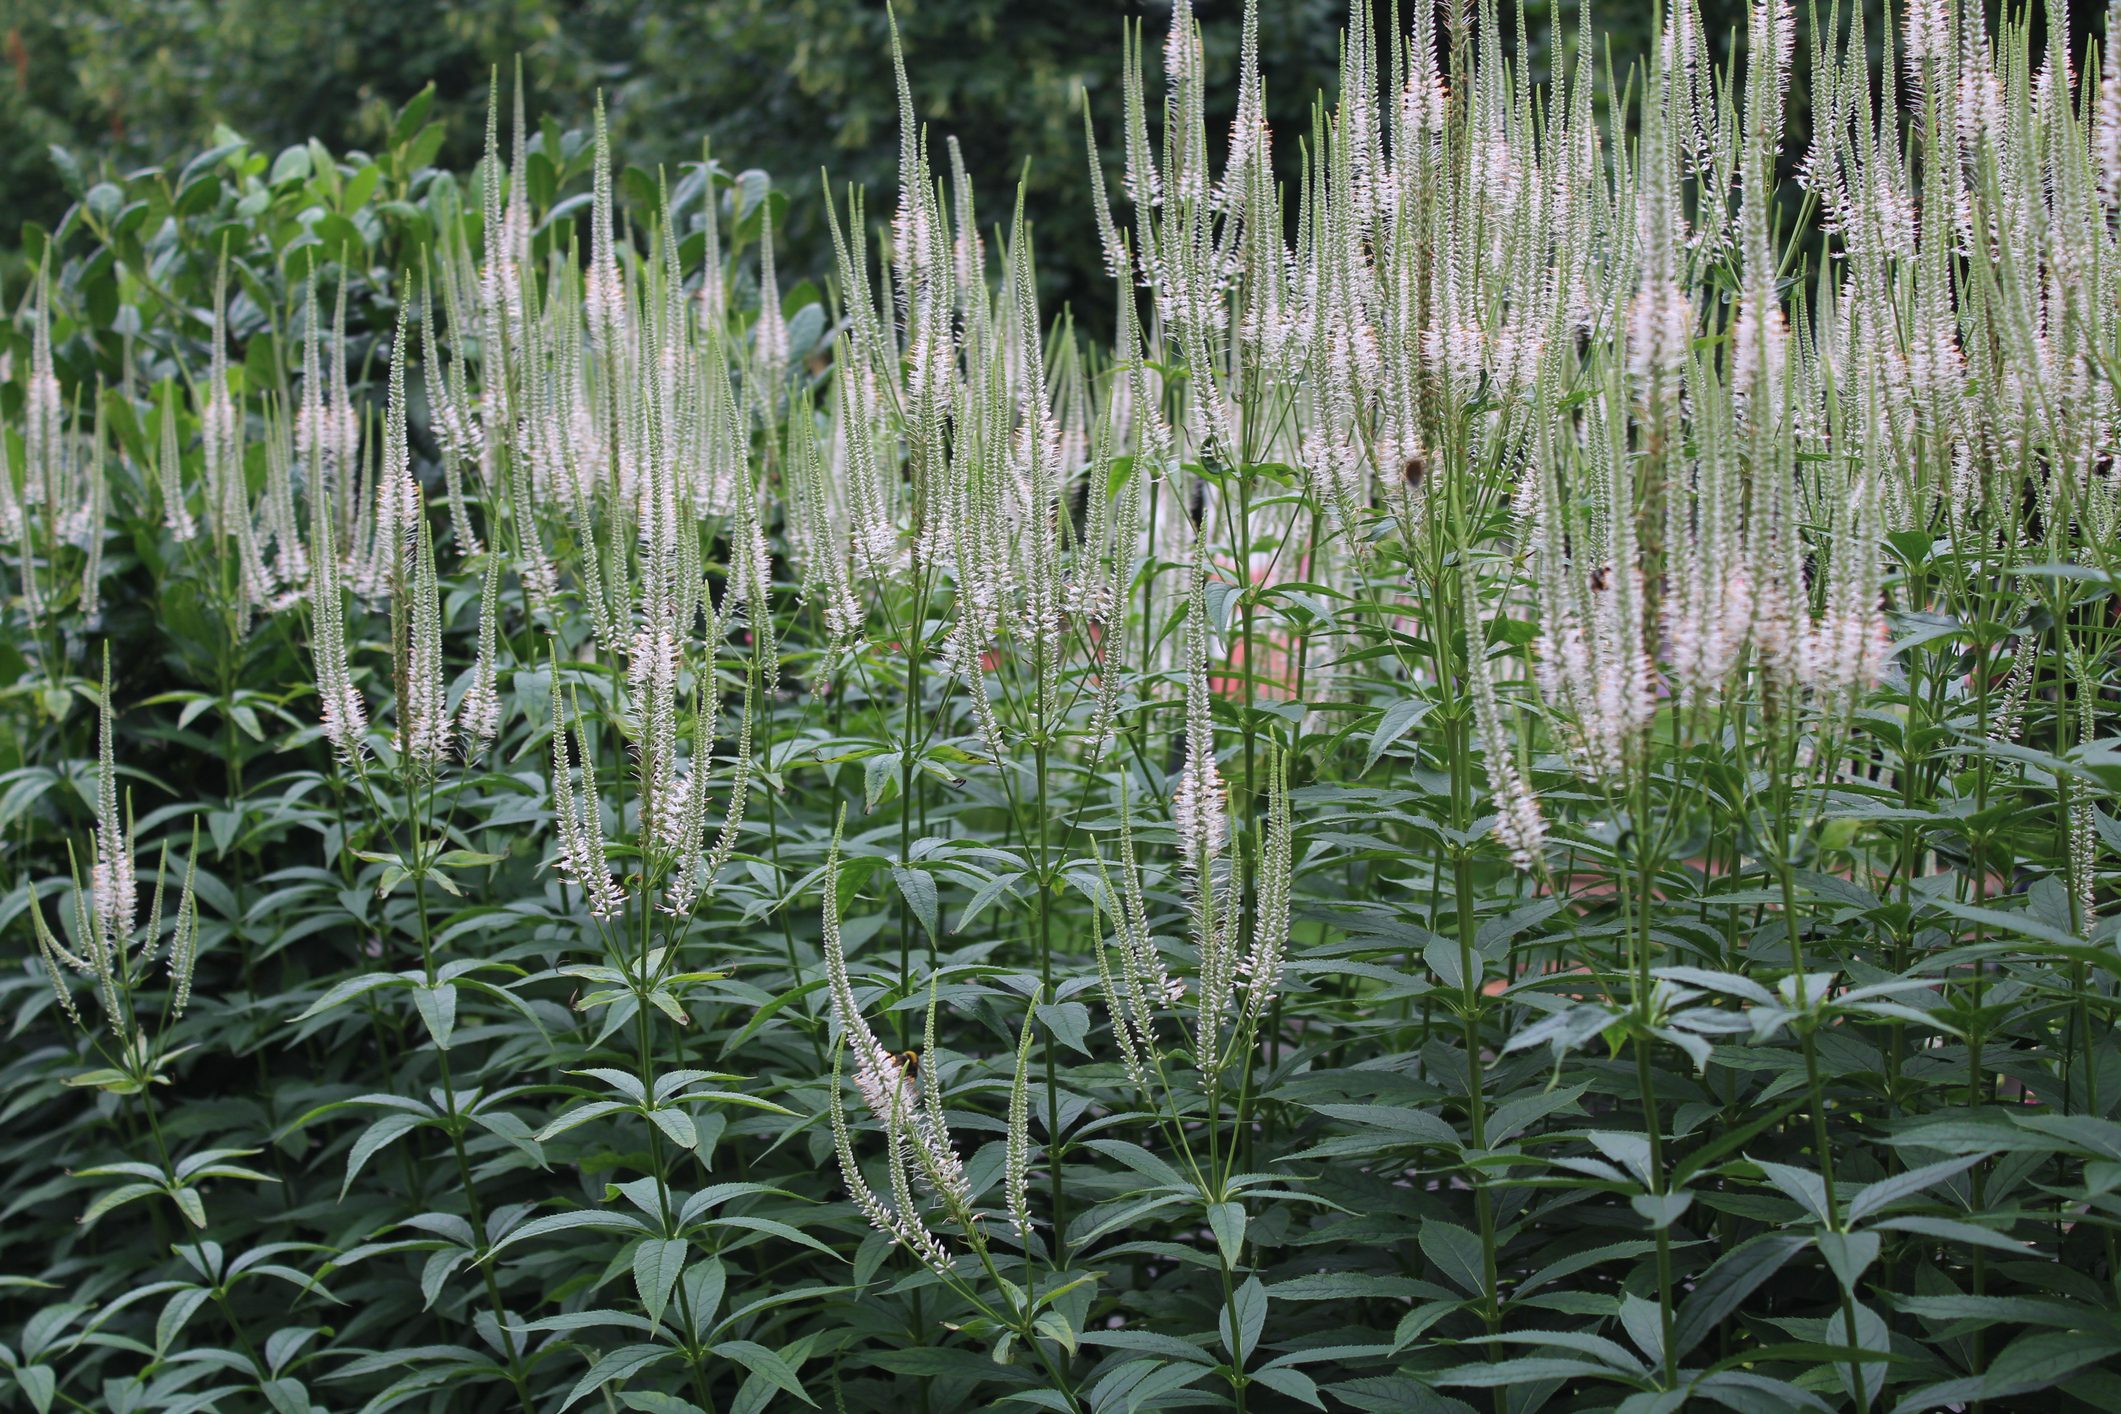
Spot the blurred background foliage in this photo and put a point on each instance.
(791, 86)
(795, 87)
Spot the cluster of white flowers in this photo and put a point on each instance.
(1570, 377)
(479, 713)
(1519, 824)
(111, 948)
(1200, 805)
(1704, 486)
(1236, 975)
(907, 1106)
(578, 818)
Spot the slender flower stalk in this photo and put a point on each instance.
(578, 816)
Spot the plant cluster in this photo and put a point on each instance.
(1499, 805)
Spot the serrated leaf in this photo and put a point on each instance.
(39, 1384)
(1728, 1282)
(657, 1265)
(1661, 1210)
(1456, 1253)
(1243, 1319)
(917, 887)
(767, 1365)
(438, 1008)
(677, 1125)
(372, 1141)
(1848, 1255)
(1294, 1384)
(1069, 1022)
(626, 1361)
(1395, 722)
(1227, 1221)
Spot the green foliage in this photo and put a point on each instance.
(795, 86)
(590, 822)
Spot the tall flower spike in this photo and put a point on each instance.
(1518, 822)
(151, 936)
(397, 494)
(878, 1075)
(769, 337)
(2083, 811)
(1017, 1151)
(313, 446)
(936, 1151)
(221, 422)
(184, 933)
(750, 580)
(95, 509)
(1260, 968)
(1035, 454)
(55, 956)
(343, 715)
(343, 421)
(1117, 262)
(1844, 652)
(290, 557)
(714, 291)
(739, 792)
(12, 523)
(691, 868)
(1142, 985)
(1198, 807)
(456, 431)
(1929, 33)
(115, 888)
(479, 714)
(44, 412)
(903, 1225)
(169, 471)
(423, 690)
(888, 1094)
(680, 823)
(1121, 543)
(1119, 1006)
(603, 287)
(2106, 124)
(92, 931)
(578, 820)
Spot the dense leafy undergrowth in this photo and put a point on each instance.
(1506, 803)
